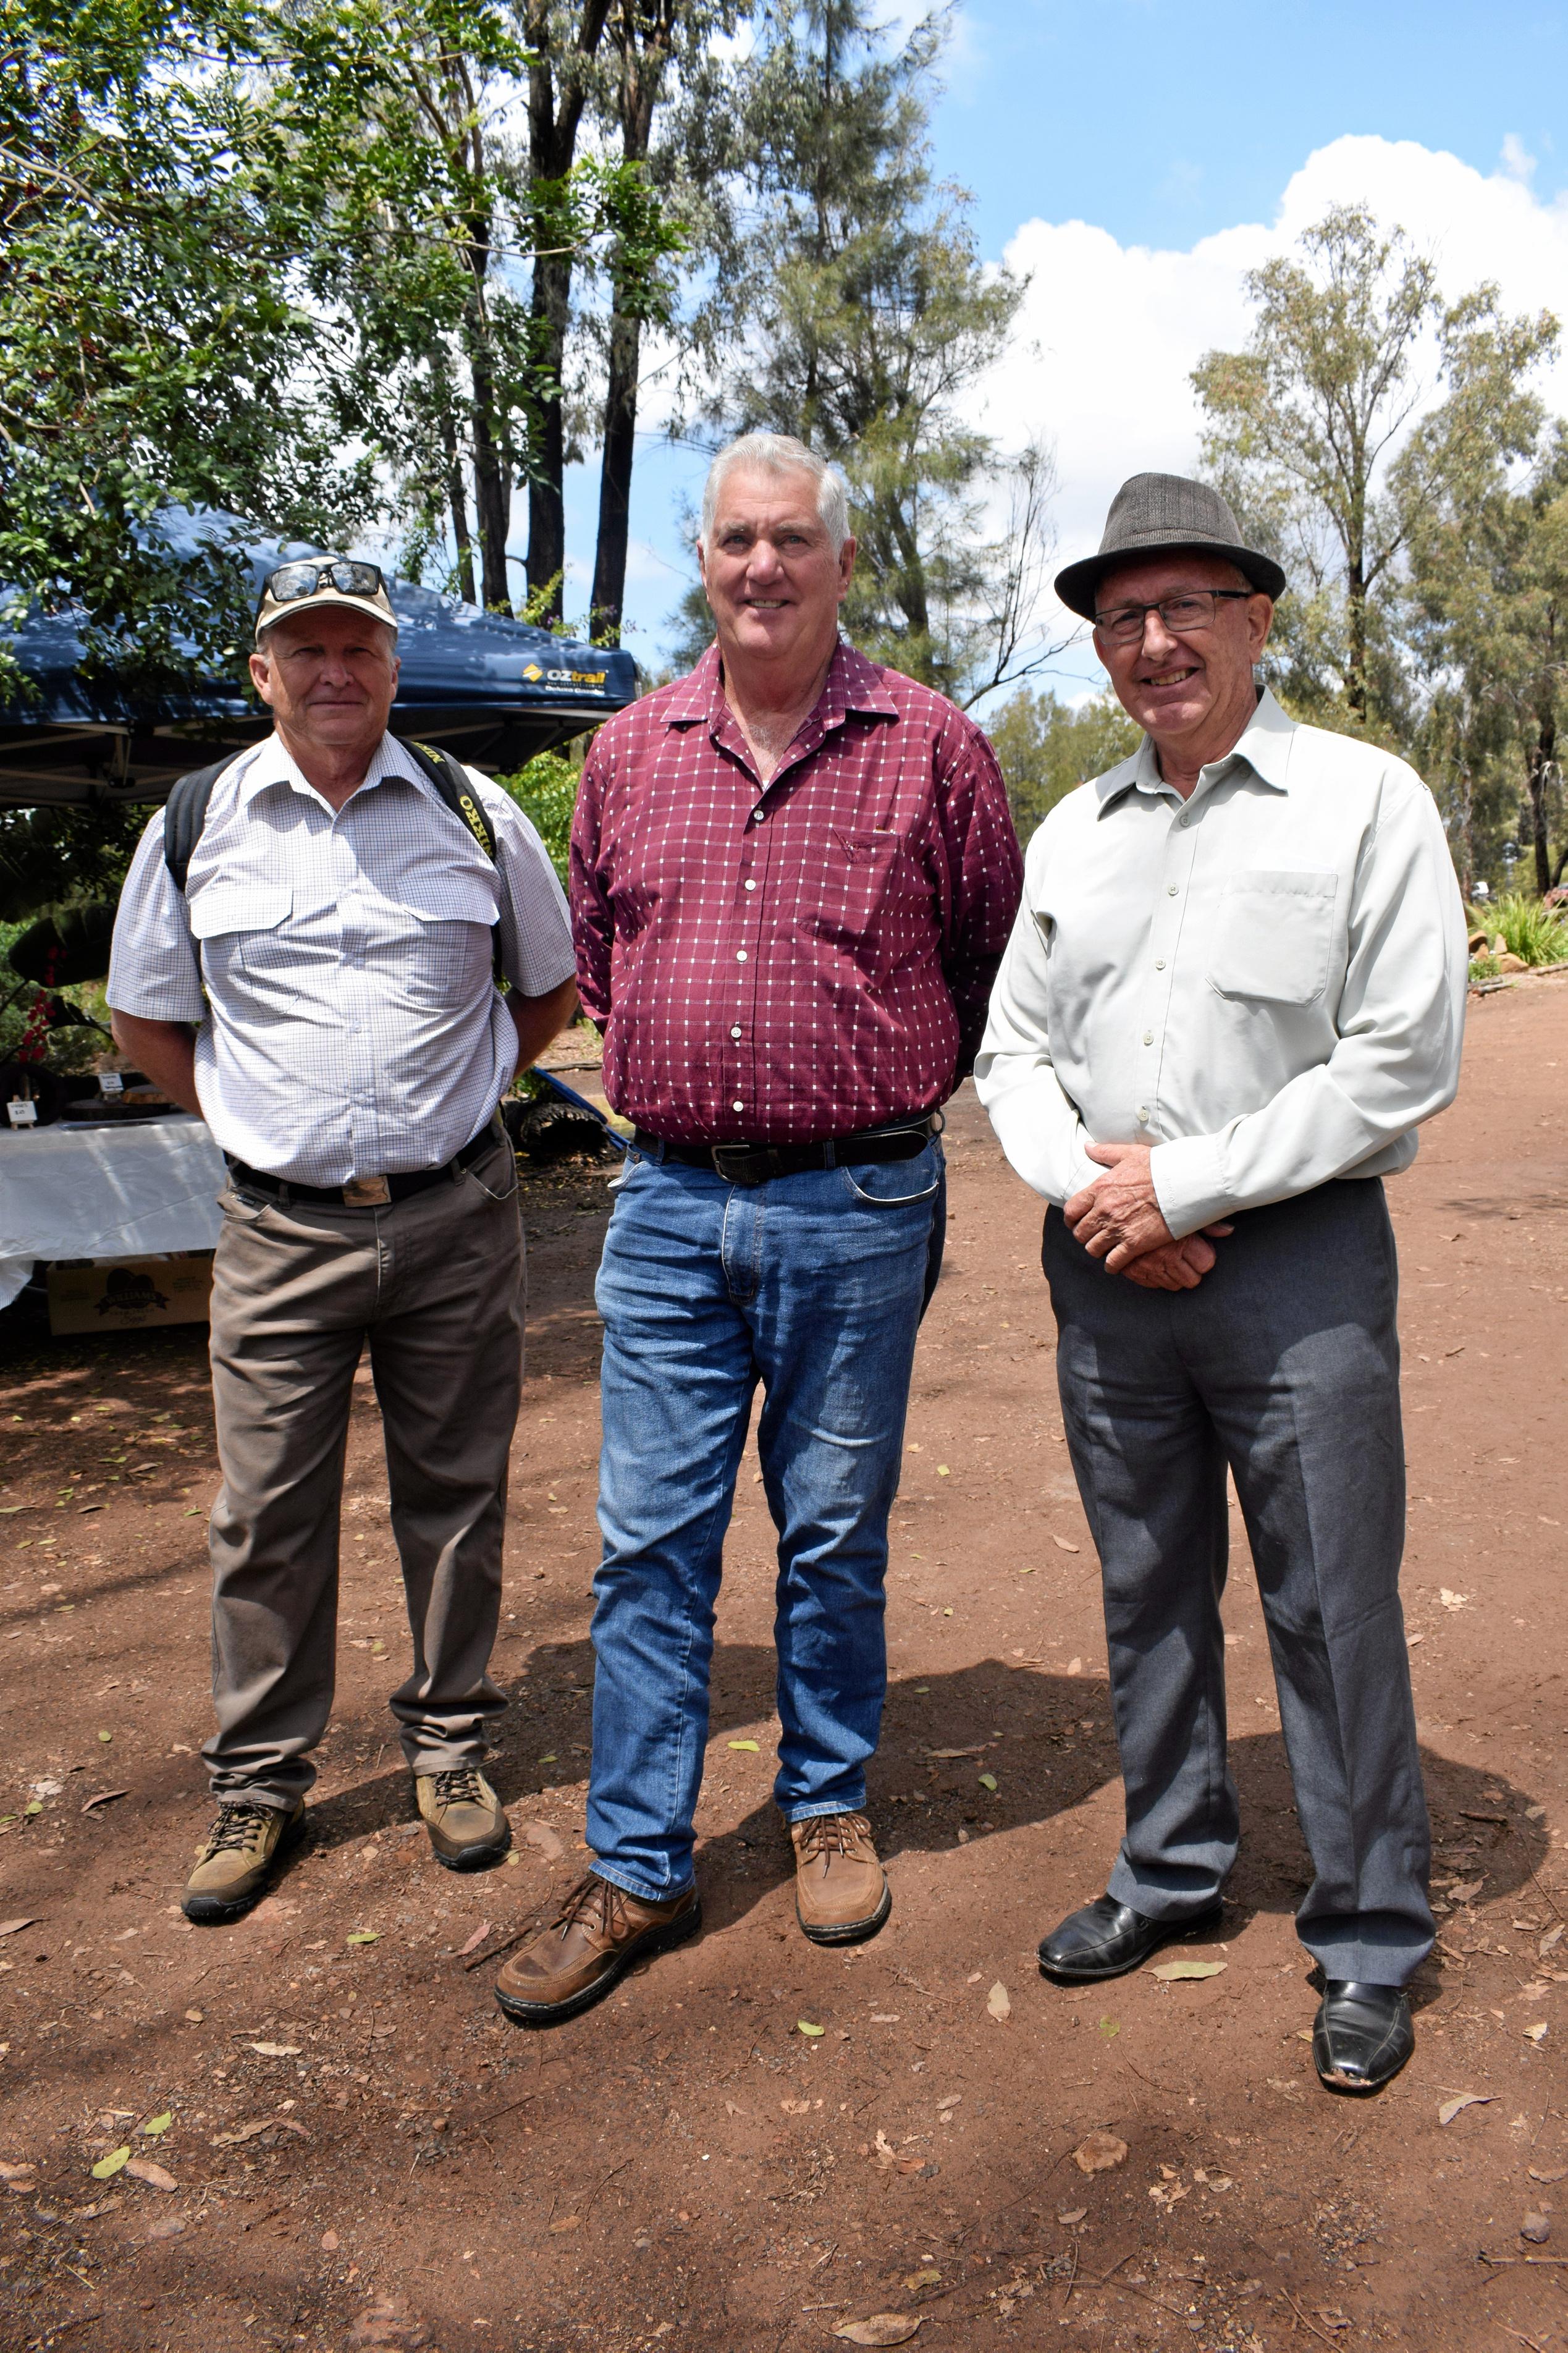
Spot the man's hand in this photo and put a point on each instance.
(1119, 1218)
(1174, 1266)
(166, 1050)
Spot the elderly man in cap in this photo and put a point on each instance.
(1235, 988)
(309, 961)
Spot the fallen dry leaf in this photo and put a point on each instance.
(475, 1940)
(1062, 1544)
(21, 2178)
(29, 1920)
(274, 2050)
(1168, 2193)
(166, 2226)
(1453, 1600)
(1536, 2033)
(944, 1754)
(881, 2328)
(1099, 2152)
(929, 2277)
(1451, 2108)
(1551, 1939)
(142, 2168)
(1073, 2215)
(790, 2107)
(388, 2321)
(997, 2002)
(541, 1835)
(1547, 2173)
(1171, 1970)
(105, 1798)
(1467, 1891)
(260, 2124)
(566, 2222)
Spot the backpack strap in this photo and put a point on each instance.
(450, 779)
(184, 814)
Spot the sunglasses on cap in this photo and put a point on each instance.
(308, 576)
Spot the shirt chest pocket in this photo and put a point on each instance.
(242, 923)
(433, 944)
(1273, 936)
(875, 895)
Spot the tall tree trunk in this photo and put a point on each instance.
(1355, 666)
(644, 33)
(557, 91)
(1541, 756)
(615, 480)
(492, 486)
(457, 509)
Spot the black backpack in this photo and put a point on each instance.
(185, 813)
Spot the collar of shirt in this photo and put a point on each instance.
(851, 685)
(1264, 746)
(272, 763)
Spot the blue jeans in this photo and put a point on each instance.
(813, 1285)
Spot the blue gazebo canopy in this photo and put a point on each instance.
(494, 690)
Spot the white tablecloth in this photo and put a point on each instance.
(105, 1192)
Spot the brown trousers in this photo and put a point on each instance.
(434, 1284)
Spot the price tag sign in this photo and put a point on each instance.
(22, 1114)
(110, 1082)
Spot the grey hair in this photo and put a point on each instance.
(780, 453)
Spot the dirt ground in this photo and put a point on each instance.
(754, 2142)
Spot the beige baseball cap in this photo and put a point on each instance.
(316, 580)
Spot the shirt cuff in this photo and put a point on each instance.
(1189, 1182)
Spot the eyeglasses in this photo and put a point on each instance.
(1191, 611)
(308, 577)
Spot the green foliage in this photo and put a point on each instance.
(1046, 749)
(1533, 932)
(152, 355)
(546, 793)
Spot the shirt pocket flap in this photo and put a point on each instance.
(1273, 934)
(449, 899)
(223, 907)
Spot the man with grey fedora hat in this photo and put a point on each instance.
(1235, 988)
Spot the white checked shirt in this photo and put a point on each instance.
(1265, 983)
(350, 1025)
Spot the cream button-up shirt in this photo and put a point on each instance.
(1265, 983)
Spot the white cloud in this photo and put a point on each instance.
(1108, 334)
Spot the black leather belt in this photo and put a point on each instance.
(363, 1192)
(754, 1164)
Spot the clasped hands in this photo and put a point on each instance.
(1119, 1219)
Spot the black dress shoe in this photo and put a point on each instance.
(1106, 1939)
(1362, 2036)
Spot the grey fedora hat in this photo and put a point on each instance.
(1165, 511)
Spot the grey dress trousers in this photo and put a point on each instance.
(1284, 1363)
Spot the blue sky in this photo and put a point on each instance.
(1163, 122)
(1163, 126)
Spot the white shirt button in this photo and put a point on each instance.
(1184, 820)
(1159, 964)
(751, 886)
(737, 1106)
(740, 955)
(734, 1033)
(1171, 889)
(1143, 1114)
(1148, 1037)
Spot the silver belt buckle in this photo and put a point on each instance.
(366, 1193)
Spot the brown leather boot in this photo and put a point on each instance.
(588, 1947)
(841, 1892)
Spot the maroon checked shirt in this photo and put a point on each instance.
(777, 963)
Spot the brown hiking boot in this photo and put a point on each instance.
(598, 1933)
(243, 1848)
(463, 1815)
(841, 1892)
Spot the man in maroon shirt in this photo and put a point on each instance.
(793, 876)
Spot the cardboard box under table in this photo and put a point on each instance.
(128, 1294)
